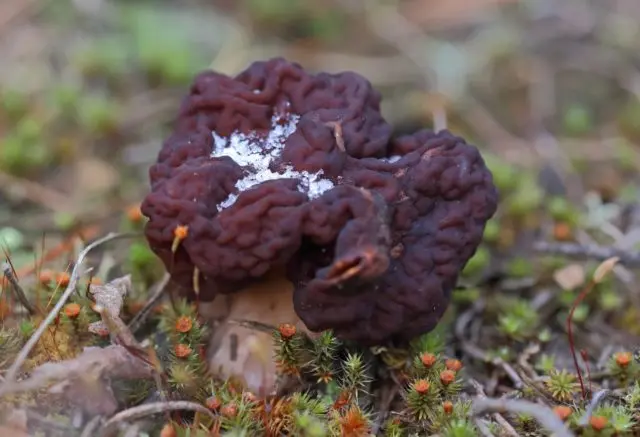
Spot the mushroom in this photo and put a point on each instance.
(278, 171)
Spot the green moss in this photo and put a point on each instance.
(141, 256)
(577, 120)
(465, 296)
(106, 57)
(629, 119)
(23, 150)
(14, 103)
(561, 209)
(478, 262)
(64, 221)
(527, 197)
(65, 98)
(505, 176)
(520, 267)
(98, 114)
(11, 239)
(492, 231)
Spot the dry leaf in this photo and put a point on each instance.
(109, 299)
(441, 14)
(570, 277)
(14, 424)
(85, 380)
(604, 269)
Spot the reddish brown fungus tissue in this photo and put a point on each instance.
(281, 169)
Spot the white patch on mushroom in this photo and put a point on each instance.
(255, 153)
(392, 159)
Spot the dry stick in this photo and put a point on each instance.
(544, 415)
(601, 271)
(158, 293)
(595, 401)
(149, 409)
(73, 280)
(600, 253)
(35, 192)
(90, 428)
(572, 347)
(17, 289)
(508, 429)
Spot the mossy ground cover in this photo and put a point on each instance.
(543, 332)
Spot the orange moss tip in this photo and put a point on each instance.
(135, 306)
(287, 330)
(421, 386)
(168, 430)
(101, 332)
(287, 369)
(562, 411)
(72, 310)
(447, 406)
(326, 377)
(623, 359)
(229, 410)
(5, 308)
(453, 364)
(562, 231)
(249, 397)
(343, 399)
(182, 350)
(63, 279)
(134, 214)
(354, 423)
(598, 423)
(46, 277)
(184, 324)
(213, 403)
(447, 377)
(180, 232)
(428, 359)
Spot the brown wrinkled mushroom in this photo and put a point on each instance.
(279, 169)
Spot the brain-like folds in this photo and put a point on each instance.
(278, 168)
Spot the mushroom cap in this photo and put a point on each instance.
(279, 168)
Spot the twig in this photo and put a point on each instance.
(73, 280)
(600, 253)
(158, 293)
(47, 423)
(541, 413)
(572, 347)
(90, 429)
(141, 411)
(471, 349)
(35, 192)
(255, 326)
(601, 271)
(598, 397)
(509, 430)
(8, 272)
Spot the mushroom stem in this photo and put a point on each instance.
(245, 354)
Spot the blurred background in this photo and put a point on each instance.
(549, 90)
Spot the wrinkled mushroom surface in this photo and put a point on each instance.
(278, 168)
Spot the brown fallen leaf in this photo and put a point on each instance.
(14, 424)
(570, 277)
(85, 380)
(435, 14)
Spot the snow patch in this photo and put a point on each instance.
(256, 152)
(392, 159)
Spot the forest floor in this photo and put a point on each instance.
(546, 317)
